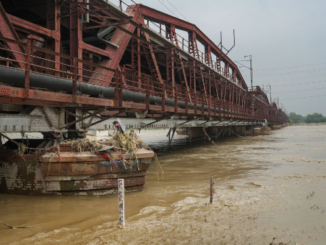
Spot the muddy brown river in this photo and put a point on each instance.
(267, 189)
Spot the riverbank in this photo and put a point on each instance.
(308, 124)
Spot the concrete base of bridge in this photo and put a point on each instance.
(216, 132)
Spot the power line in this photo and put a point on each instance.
(299, 83)
(315, 96)
(242, 65)
(298, 90)
(165, 25)
(294, 72)
(287, 67)
(319, 75)
(177, 10)
(167, 8)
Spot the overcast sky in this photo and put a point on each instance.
(286, 39)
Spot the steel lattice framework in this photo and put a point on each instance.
(93, 60)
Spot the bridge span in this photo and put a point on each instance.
(68, 66)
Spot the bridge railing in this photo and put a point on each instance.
(33, 58)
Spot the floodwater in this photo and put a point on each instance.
(267, 189)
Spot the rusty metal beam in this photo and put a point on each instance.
(106, 118)
(31, 27)
(136, 60)
(185, 78)
(83, 118)
(95, 50)
(107, 25)
(157, 70)
(7, 30)
(161, 17)
(121, 39)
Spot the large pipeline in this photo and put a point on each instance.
(17, 77)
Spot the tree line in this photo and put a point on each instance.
(310, 118)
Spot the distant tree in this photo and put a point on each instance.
(315, 118)
(296, 118)
(310, 118)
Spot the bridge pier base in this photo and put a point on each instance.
(217, 131)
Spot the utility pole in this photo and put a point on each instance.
(251, 73)
(270, 93)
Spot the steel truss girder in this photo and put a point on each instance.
(207, 76)
(7, 30)
(152, 62)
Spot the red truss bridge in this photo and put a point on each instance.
(67, 66)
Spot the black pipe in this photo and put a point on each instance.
(17, 77)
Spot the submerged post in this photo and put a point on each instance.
(121, 194)
(211, 191)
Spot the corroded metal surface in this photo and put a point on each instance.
(22, 178)
(26, 174)
(177, 78)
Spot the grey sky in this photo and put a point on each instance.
(286, 39)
